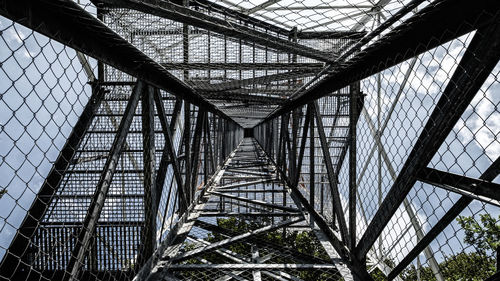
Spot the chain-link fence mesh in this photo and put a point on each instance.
(105, 156)
(441, 230)
(64, 114)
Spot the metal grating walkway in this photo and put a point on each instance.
(245, 227)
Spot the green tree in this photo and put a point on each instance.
(463, 266)
(299, 241)
(484, 236)
(377, 274)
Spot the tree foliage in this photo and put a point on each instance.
(484, 236)
(300, 241)
(462, 266)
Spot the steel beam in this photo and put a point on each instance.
(208, 165)
(231, 186)
(489, 175)
(237, 84)
(148, 231)
(252, 266)
(305, 130)
(315, 35)
(296, 115)
(249, 214)
(312, 160)
(232, 240)
(460, 183)
(353, 120)
(337, 203)
(272, 90)
(230, 96)
(243, 66)
(81, 248)
(249, 190)
(479, 59)
(186, 140)
(318, 7)
(256, 202)
(201, 20)
(196, 147)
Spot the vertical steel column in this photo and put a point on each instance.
(205, 151)
(275, 123)
(148, 231)
(293, 155)
(208, 148)
(280, 144)
(302, 147)
(215, 136)
(353, 118)
(312, 188)
(223, 127)
(185, 43)
(187, 153)
(195, 157)
(285, 146)
(337, 204)
(90, 222)
(379, 153)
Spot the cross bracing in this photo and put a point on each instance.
(249, 140)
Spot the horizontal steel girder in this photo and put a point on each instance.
(195, 18)
(243, 66)
(459, 183)
(253, 99)
(233, 240)
(251, 266)
(237, 84)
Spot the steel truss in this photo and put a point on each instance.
(213, 165)
(272, 210)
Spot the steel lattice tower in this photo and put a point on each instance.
(249, 140)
